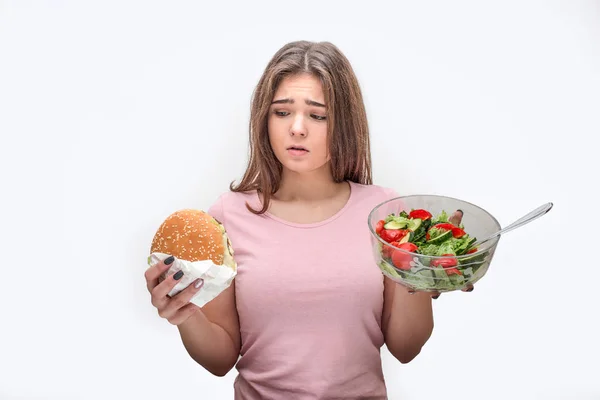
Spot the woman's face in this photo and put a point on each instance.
(297, 124)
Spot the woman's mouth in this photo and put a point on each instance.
(297, 150)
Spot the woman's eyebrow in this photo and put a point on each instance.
(291, 101)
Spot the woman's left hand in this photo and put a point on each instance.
(435, 295)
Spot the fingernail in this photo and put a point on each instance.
(470, 289)
(178, 275)
(435, 297)
(199, 283)
(169, 260)
(461, 211)
(411, 292)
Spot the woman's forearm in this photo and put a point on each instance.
(208, 344)
(409, 324)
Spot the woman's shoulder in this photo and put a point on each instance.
(231, 198)
(230, 202)
(373, 192)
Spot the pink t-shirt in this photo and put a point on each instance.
(310, 301)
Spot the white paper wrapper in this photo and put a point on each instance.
(217, 278)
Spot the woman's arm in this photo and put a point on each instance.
(211, 336)
(407, 320)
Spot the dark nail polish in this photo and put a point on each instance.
(169, 260)
(470, 289)
(178, 275)
(435, 297)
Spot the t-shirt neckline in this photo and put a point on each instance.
(318, 223)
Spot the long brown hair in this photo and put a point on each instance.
(347, 127)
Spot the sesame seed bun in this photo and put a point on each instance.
(193, 235)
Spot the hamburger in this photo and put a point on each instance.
(194, 235)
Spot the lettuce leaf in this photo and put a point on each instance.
(446, 248)
(397, 218)
(430, 249)
(442, 217)
(422, 280)
(435, 232)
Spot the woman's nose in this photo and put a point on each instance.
(298, 126)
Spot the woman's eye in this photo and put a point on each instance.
(313, 116)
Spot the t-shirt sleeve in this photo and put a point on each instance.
(217, 210)
(390, 193)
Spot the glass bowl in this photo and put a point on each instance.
(416, 242)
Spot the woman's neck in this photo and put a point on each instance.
(309, 187)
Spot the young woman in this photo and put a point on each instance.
(308, 311)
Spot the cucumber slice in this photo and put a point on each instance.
(414, 224)
(395, 225)
(442, 238)
(406, 238)
(420, 233)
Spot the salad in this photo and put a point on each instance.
(442, 237)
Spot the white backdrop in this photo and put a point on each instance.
(115, 113)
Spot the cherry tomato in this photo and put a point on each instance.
(420, 214)
(456, 231)
(388, 250)
(401, 259)
(452, 271)
(445, 226)
(379, 226)
(449, 264)
(448, 261)
(393, 235)
(410, 247)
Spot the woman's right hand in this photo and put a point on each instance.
(176, 309)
